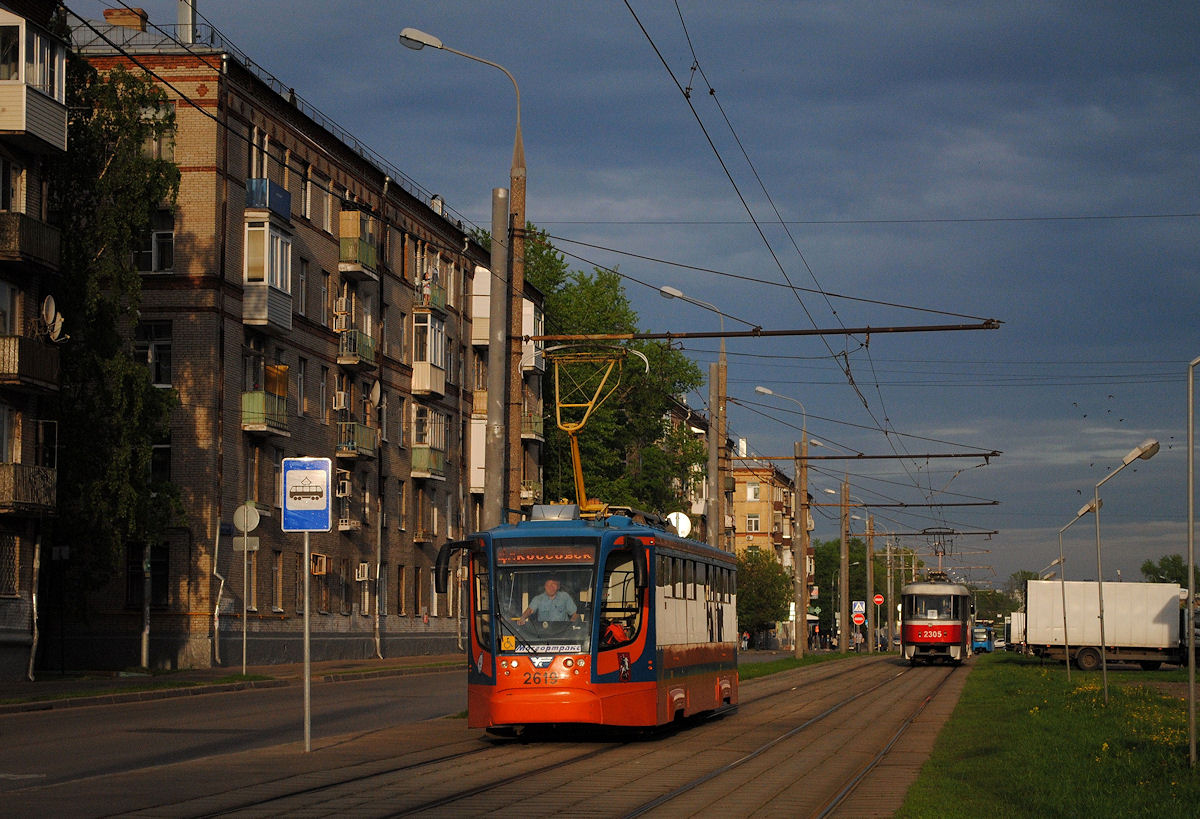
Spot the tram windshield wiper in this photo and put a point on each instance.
(516, 634)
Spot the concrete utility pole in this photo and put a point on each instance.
(495, 471)
(713, 521)
(871, 624)
(844, 580)
(800, 560)
(890, 602)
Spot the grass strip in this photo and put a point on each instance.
(1023, 741)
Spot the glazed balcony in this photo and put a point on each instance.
(28, 363)
(25, 240)
(26, 489)
(264, 413)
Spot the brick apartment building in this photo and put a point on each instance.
(304, 299)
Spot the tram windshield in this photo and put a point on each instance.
(543, 595)
(933, 607)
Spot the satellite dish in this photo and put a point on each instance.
(49, 311)
(375, 392)
(681, 522)
(56, 327)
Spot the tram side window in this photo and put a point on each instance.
(621, 611)
(663, 581)
(677, 577)
(483, 602)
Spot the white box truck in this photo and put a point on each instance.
(1141, 622)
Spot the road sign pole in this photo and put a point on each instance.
(307, 652)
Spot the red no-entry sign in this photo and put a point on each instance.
(878, 599)
(859, 618)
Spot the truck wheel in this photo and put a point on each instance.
(1150, 665)
(1087, 659)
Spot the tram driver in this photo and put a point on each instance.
(551, 605)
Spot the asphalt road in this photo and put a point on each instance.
(43, 747)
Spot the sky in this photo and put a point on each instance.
(834, 165)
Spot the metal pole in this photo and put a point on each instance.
(1100, 591)
(307, 650)
(1062, 584)
(1191, 536)
(245, 594)
(871, 607)
(722, 457)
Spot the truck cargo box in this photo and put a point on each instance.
(1136, 615)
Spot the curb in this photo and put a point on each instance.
(118, 698)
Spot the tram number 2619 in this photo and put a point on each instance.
(541, 678)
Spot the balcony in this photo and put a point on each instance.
(532, 425)
(430, 295)
(359, 255)
(348, 520)
(356, 440)
(356, 350)
(28, 363)
(267, 308)
(428, 462)
(428, 379)
(36, 122)
(26, 489)
(264, 413)
(25, 240)
(263, 194)
(531, 491)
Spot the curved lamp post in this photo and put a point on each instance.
(1143, 451)
(800, 521)
(1062, 579)
(503, 488)
(716, 427)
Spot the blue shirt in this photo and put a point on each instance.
(558, 607)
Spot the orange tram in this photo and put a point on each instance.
(613, 621)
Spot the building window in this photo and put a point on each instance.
(753, 491)
(401, 508)
(251, 590)
(344, 577)
(276, 580)
(160, 462)
(429, 428)
(299, 590)
(10, 53)
(156, 254)
(302, 287)
(429, 339)
(277, 476)
(323, 397)
(401, 591)
(268, 256)
(364, 597)
(752, 524)
(325, 298)
(8, 565)
(301, 386)
(382, 582)
(252, 458)
(135, 577)
(152, 344)
(45, 64)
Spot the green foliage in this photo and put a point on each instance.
(630, 454)
(104, 192)
(1168, 569)
(764, 591)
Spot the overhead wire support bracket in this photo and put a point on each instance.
(757, 332)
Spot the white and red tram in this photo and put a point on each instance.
(935, 621)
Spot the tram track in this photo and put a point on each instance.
(800, 721)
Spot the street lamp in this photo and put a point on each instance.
(503, 423)
(1143, 451)
(716, 426)
(1088, 507)
(800, 514)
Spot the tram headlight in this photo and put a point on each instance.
(568, 662)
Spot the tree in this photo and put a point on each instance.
(105, 192)
(631, 455)
(1168, 569)
(764, 591)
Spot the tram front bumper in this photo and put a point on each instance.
(541, 705)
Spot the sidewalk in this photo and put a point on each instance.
(51, 691)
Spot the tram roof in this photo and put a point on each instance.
(935, 587)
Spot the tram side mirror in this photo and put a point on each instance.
(641, 574)
(441, 570)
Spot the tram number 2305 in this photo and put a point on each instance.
(541, 678)
(931, 634)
